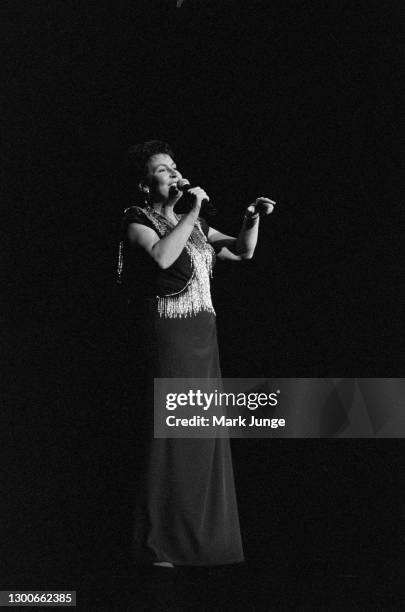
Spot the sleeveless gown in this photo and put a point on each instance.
(186, 509)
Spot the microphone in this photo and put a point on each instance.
(184, 185)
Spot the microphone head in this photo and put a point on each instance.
(183, 184)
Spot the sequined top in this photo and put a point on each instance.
(183, 289)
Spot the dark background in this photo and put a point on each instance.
(297, 101)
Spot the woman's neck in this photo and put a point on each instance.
(166, 211)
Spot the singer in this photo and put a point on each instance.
(186, 509)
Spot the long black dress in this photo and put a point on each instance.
(186, 509)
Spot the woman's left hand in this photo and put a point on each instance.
(261, 206)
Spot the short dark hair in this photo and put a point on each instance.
(139, 154)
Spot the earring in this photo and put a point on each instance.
(146, 195)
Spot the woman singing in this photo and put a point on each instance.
(186, 510)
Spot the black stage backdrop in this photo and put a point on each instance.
(296, 101)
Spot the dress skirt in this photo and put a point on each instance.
(186, 508)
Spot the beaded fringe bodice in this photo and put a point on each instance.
(196, 296)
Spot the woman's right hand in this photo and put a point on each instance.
(198, 195)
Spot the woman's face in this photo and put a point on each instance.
(161, 175)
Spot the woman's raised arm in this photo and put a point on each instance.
(242, 247)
